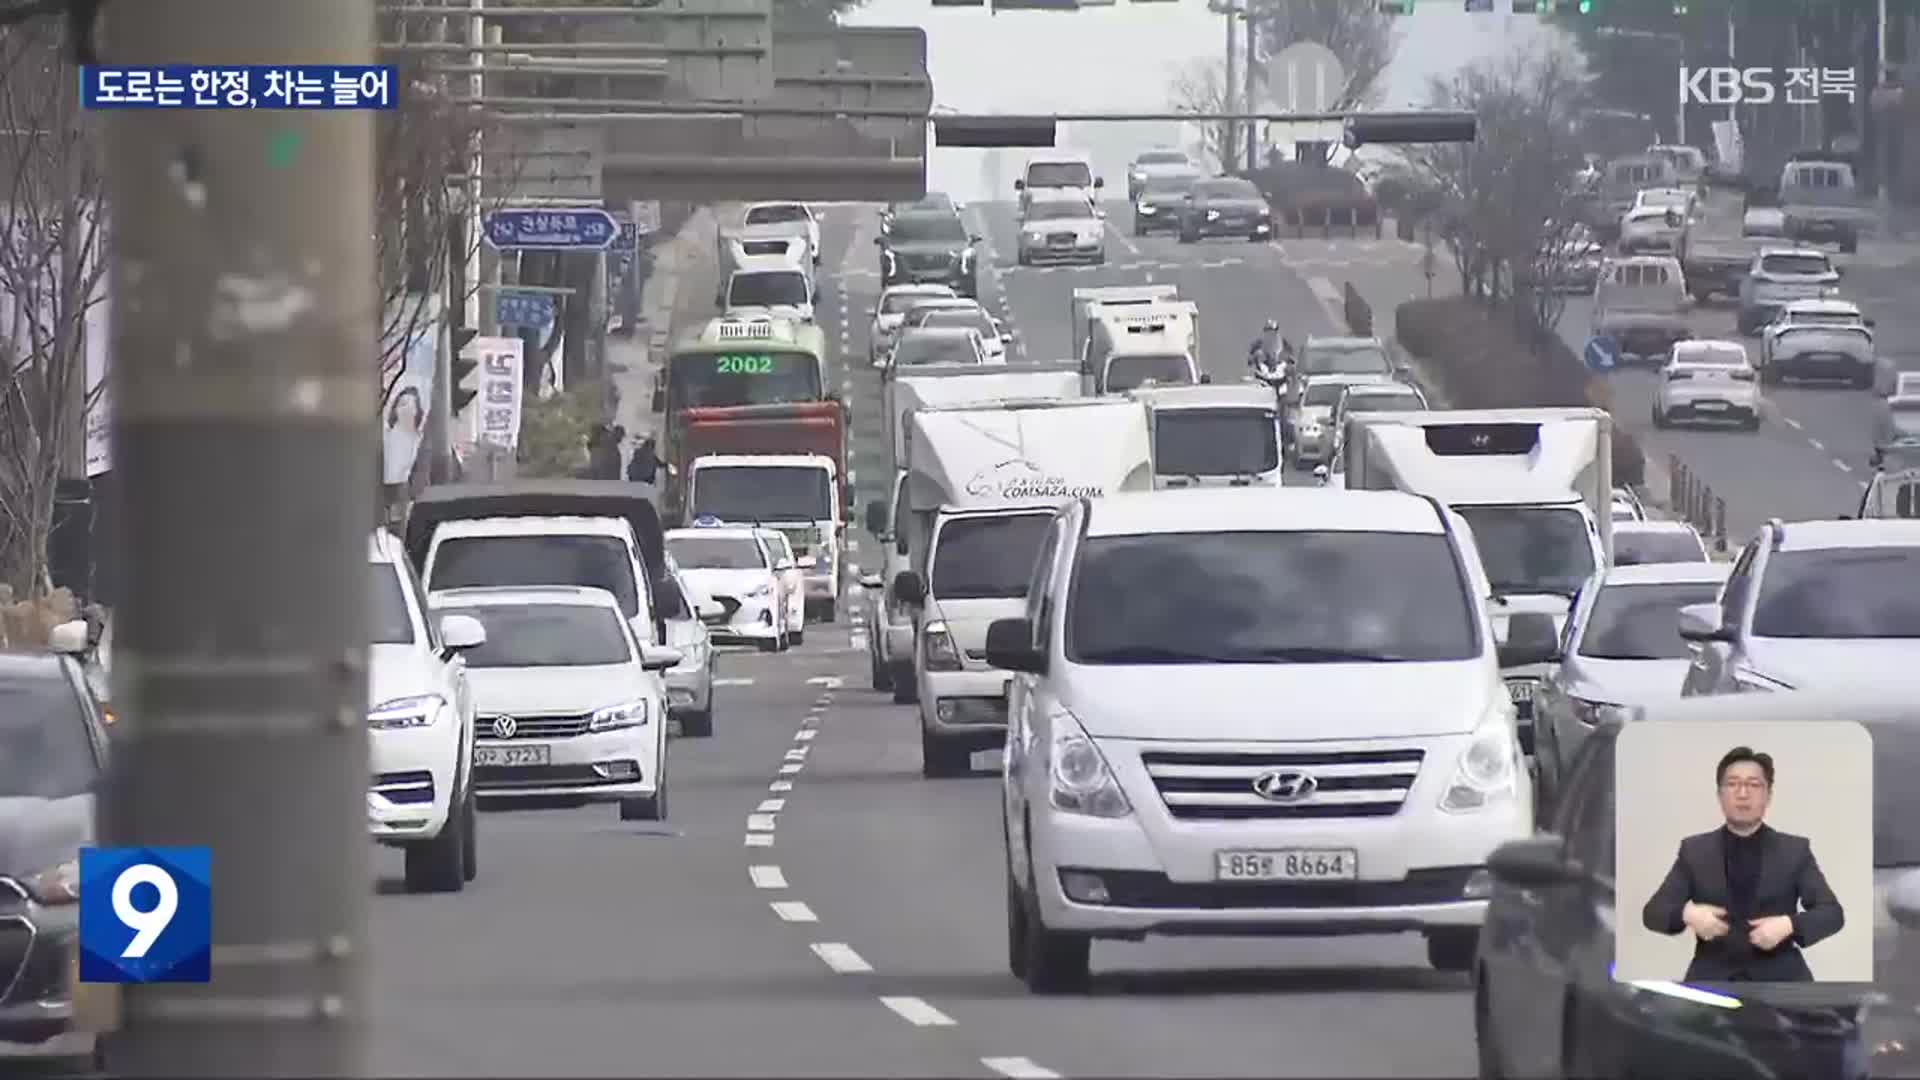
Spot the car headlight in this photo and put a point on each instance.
(1213, 215)
(1035, 236)
(1595, 713)
(1078, 778)
(762, 589)
(1149, 208)
(1487, 773)
(55, 885)
(942, 654)
(417, 710)
(614, 717)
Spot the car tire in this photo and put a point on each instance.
(645, 807)
(1850, 245)
(1751, 423)
(437, 865)
(1188, 237)
(1770, 375)
(797, 637)
(769, 645)
(470, 838)
(1452, 949)
(878, 673)
(905, 690)
(1049, 962)
(697, 725)
(942, 761)
(1863, 380)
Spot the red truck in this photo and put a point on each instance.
(805, 427)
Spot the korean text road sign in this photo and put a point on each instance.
(579, 229)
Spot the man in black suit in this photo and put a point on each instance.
(1752, 896)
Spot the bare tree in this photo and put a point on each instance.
(1509, 216)
(1356, 31)
(51, 274)
(1199, 87)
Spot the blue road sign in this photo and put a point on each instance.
(1601, 353)
(575, 229)
(518, 307)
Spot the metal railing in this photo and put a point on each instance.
(1692, 500)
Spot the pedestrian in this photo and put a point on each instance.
(603, 453)
(644, 468)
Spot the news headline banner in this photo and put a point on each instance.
(249, 86)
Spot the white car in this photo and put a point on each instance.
(420, 722)
(961, 312)
(792, 576)
(570, 704)
(1062, 230)
(690, 682)
(734, 568)
(1299, 727)
(771, 291)
(1819, 339)
(1779, 276)
(1627, 506)
(1637, 543)
(891, 310)
(788, 213)
(1658, 229)
(1707, 381)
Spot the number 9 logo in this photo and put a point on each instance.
(147, 925)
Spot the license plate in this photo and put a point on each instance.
(1520, 692)
(513, 756)
(1288, 864)
(1710, 406)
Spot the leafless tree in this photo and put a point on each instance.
(1509, 216)
(51, 275)
(1199, 87)
(1356, 31)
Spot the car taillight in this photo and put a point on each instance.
(1743, 376)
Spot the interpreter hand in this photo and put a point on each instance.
(1705, 920)
(1768, 933)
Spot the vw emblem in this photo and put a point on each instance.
(504, 726)
(1284, 786)
(1482, 440)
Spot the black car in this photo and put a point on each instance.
(1157, 209)
(1225, 206)
(53, 750)
(1546, 1003)
(929, 247)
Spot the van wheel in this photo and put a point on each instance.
(943, 761)
(697, 725)
(1048, 961)
(470, 840)
(769, 645)
(1452, 950)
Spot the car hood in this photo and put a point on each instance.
(555, 691)
(397, 671)
(1087, 224)
(39, 834)
(1627, 682)
(1837, 662)
(1249, 702)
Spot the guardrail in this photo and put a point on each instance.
(1692, 500)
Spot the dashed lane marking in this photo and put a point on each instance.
(1791, 422)
(1019, 1068)
(733, 682)
(805, 735)
(780, 785)
(917, 1012)
(798, 753)
(831, 682)
(761, 823)
(1817, 444)
(791, 768)
(793, 911)
(759, 839)
(770, 806)
(767, 877)
(841, 958)
(1841, 465)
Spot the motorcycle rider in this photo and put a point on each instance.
(1266, 358)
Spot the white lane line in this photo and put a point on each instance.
(761, 823)
(791, 768)
(1791, 422)
(1019, 1068)
(798, 753)
(770, 806)
(733, 682)
(1841, 465)
(917, 1012)
(1817, 444)
(780, 785)
(805, 734)
(840, 957)
(793, 911)
(831, 682)
(767, 877)
(759, 839)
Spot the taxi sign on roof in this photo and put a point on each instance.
(707, 521)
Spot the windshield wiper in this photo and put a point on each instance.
(1629, 656)
(1154, 654)
(1309, 654)
(1504, 588)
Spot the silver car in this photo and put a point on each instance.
(690, 682)
(1621, 649)
(1644, 541)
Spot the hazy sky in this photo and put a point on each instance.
(1123, 58)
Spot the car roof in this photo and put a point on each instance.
(1822, 307)
(1302, 509)
(1700, 348)
(1790, 249)
(21, 666)
(939, 332)
(1852, 533)
(1665, 573)
(1653, 526)
(730, 532)
(515, 595)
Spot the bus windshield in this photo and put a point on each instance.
(748, 377)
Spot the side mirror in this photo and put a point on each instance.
(659, 399)
(807, 562)
(69, 638)
(1701, 622)
(783, 565)
(658, 657)
(1099, 182)
(1537, 862)
(1870, 323)
(1903, 900)
(1010, 647)
(1019, 185)
(877, 519)
(910, 588)
(1205, 379)
(872, 581)
(1531, 639)
(975, 240)
(709, 611)
(458, 633)
(1321, 473)
(879, 241)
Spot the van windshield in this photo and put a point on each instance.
(1214, 442)
(1532, 549)
(1044, 174)
(593, 562)
(768, 288)
(1131, 372)
(988, 557)
(762, 493)
(1795, 264)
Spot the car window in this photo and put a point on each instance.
(1634, 547)
(547, 635)
(1641, 621)
(1795, 264)
(1163, 157)
(897, 303)
(1059, 174)
(1345, 360)
(1322, 394)
(717, 552)
(594, 562)
(768, 288)
(1585, 817)
(1227, 189)
(916, 350)
(988, 557)
(1214, 442)
(927, 229)
(961, 318)
(1059, 211)
(776, 214)
(1039, 588)
(46, 749)
(1866, 592)
(1532, 549)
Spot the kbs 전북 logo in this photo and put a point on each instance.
(146, 914)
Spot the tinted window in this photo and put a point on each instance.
(898, 303)
(45, 752)
(915, 350)
(1634, 548)
(1128, 372)
(1712, 357)
(961, 319)
(392, 623)
(674, 601)
(1588, 823)
(1906, 419)
(1825, 319)
(1375, 403)
(1840, 593)
(1059, 174)
(1227, 189)
(1163, 157)
(1059, 211)
(1337, 360)
(1322, 394)
(1214, 442)
(767, 288)
(594, 562)
(750, 376)
(1641, 622)
(977, 558)
(1795, 264)
(547, 635)
(927, 229)
(763, 493)
(769, 215)
(1267, 597)
(1530, 549)
(717, 552)
(1167, 185)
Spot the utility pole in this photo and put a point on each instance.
(245, 321)
(1229, 142)
(1251, 86)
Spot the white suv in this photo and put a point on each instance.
(1248, 710)
(420, 716)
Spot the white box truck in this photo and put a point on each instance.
(797, 494)
(1137, 345)
(1085, 299)
(1224, 435)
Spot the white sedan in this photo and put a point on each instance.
(891, 310)
(793, 582)
(734, 569)
(1708, 381)
(964, 313)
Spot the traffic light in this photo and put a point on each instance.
(463, 366)
(1364, 129)
(1396, 7)
(988, 131)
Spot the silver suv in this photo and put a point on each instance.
(1833, 603)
